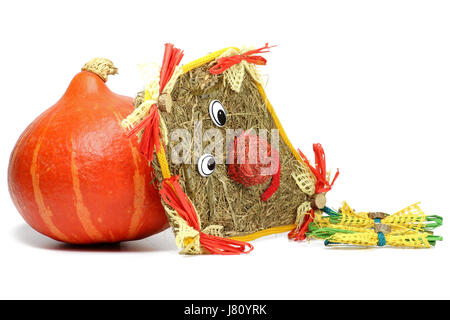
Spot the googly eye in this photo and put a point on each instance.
(206, 165)
(217, 113)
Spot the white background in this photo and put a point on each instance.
(370, 80)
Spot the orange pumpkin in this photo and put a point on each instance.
(75, 176)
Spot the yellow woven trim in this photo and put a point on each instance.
(263, 233)
(162, 159)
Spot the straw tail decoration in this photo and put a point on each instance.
(409, 227)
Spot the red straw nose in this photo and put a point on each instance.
(246, 167)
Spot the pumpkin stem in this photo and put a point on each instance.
(101, 67)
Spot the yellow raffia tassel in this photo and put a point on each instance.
(409, 218)
(370, 238)
(186, 238)
(235, 75)
(150, 73)
(304, 179)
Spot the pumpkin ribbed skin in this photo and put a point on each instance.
(75, 176)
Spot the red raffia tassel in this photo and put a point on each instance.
(320, 171)
(150, 139)
(322, 186)
(299, 233)
(173, 195)
(172, 58)
(227, 62)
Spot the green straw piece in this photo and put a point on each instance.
(436, 222)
